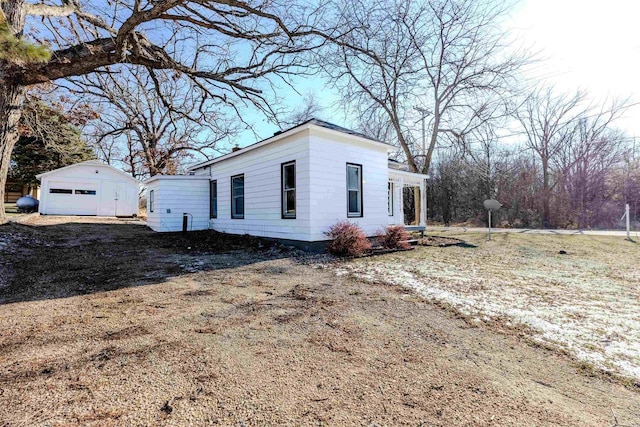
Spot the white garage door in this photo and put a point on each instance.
(72, 198)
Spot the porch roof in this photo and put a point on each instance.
(408, 178)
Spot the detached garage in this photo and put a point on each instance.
(88, 188)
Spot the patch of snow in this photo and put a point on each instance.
(598, 321)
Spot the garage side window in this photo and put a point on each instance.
(86, 192)
(213, 199)
(60, 191)
(151, 201)
(237, 197)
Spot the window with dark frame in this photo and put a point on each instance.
(151, 196)
(60, 191)
(86, 192)
(237, 197)
(288, 173)
(390, 199)
(213, 199)
(354, 190)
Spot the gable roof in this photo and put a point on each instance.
(291, 131)
(95, 163)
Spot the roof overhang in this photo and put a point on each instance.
(305, 127)
(92, 163)
(175, 178)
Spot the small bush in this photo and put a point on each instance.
(395, 237)
(347, 239)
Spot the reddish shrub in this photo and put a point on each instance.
(395, 237)
(347, 239)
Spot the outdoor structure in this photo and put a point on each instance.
(14, 190)
(88, 188)
(292, 186)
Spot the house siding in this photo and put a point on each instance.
(328, 182)
(321, 158)
(262, 188)
(175, 197)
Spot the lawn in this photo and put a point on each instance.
(579, 294)
(105, 323)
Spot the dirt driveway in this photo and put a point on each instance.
(111, 324)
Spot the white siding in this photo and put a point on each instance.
(328, 182)
(262, 190)
(175, 196)
(109, 200)
(321, 158)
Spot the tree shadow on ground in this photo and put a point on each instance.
(65, 260)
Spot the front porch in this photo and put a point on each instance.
(407, 201)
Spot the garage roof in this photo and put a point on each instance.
(95, 163)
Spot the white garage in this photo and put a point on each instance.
(88, 188)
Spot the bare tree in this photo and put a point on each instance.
(154, 119)
(228, 49)
(549, 121)
(310, 108)
(445, 57)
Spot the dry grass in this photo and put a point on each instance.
(580, 294)
(255, 337)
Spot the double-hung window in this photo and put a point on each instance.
(390, 199)
(151, 201)
(289, 190)
(354, 190)
(237, 197)
(213, 199)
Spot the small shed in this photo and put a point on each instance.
(88, 188)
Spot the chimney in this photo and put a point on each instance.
(235, 148)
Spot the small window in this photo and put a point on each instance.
(354, 190)
(213, 199)
(60, 191)
(237, 197)
(86, 192)
(151, 201)
(390, 199)
(289, 190)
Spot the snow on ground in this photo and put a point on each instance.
(565, 303)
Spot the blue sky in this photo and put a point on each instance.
(589, 45)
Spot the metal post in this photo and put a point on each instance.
(489, 224)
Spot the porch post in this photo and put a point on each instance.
(423, 203)
(401, 198)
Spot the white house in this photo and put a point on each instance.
(292, 186)
(88, 188)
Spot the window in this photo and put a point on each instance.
(213, 199)
(151, 200)
(289, 190)
(354, 190)
(237, 197)
(86, 192)
(390, 199)
(60, 191)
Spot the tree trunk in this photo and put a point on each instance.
(11, 97)
(546, 194)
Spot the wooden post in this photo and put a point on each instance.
(626, 213)
(417, 204)
(401, 210)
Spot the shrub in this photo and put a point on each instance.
(347, 239)
(395, 237)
